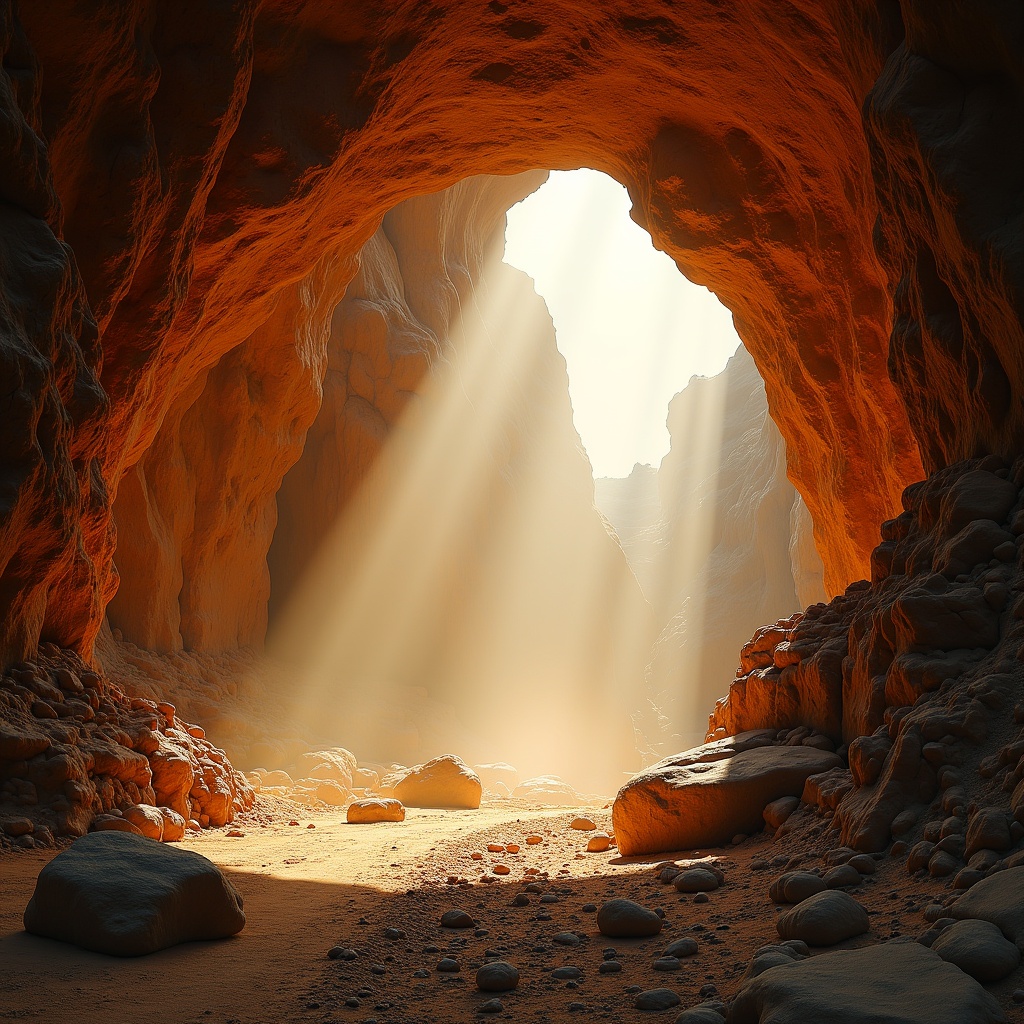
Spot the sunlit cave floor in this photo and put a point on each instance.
(307, 889)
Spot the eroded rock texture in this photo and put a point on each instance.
(186, 188)
(198, 192)
(915, 670)
(74, 746)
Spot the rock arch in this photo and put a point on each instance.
(179, 183)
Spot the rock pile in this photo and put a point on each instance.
(75, 749)
(912, 670)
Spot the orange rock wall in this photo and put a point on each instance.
(202, 159)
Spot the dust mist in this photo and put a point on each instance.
(471, 599)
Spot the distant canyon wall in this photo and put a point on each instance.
(720, 541)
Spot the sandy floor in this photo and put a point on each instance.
(307, 889)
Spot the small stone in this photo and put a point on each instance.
(681, 947)
(610, 967)
(864, 863)
(598, 843)
(667, 963)
(534, 840)
(979, 949)
(843, 876)
(449, 966)
(589, 908)
(341, 953)
(702, 897)
(795, 887)
(566, 939)
(492, 1006)
(497, 976)
(394, 933)
(626, 919)
(567, 973)
(374, 809)
(500, 869)
(582, 824)
(695, 880)
(656, 999)
(824, 919)
(421, 973)
(521, 900)
(457, 919)
(942, 864)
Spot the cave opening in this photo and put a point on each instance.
(466, 558)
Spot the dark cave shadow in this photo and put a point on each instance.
(277, 968)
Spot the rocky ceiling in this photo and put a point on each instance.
(184, 180)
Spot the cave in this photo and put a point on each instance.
(236, 239)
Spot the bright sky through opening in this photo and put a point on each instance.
(632, 329)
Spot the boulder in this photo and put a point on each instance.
(705, 796)
(978, 948)
(824, 919)
(624, 919)
(147, 819)
(365, 812)
(446, 781)
(998, 899)
(125, 895)
(901, 982)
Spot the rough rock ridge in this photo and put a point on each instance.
(916, 673)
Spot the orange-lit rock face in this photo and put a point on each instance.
(208, 159)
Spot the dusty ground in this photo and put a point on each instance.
(307, 889)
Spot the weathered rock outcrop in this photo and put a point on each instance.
(910, 667)
(198, 195)
(705, 796)
(73, 745)
(175, 178)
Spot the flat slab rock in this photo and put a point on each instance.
(704, 796)
(372, 809)
(895, 982)
(126, 895)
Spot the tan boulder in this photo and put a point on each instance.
(705, 796)
(365, 812)
(446, 781)
(330, 792)
(114, 823)
(174, 825)
(147, 819)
